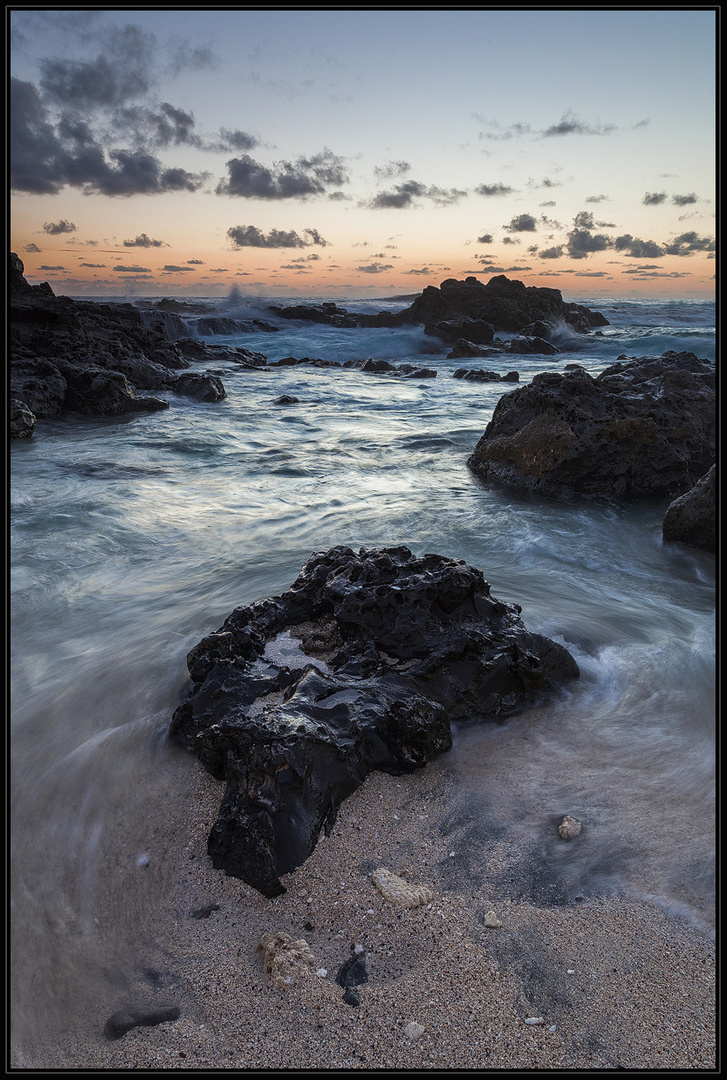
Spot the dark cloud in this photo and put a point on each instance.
(423, 272)
(186, 57)
(511, 132)
(569, 124)
(493, 189)
(219, 270)
(597, 198)
(404, 196)
(158, 128)
(584, 220)
(552, 253)
(234, 140)
(94, 266)
(688, 243)
(582, 243)
(51, 267)
(45, 159)
(195, 262)
(145, 241)
(132, 269)
(58, 227)
(684, 200)
(251, 236)
(286, 180)
(375, 268)
(637, 249)
(30, 248)
(654, 198)
(509, 240)
(522, 223)
(486, 238)
(120, 73)
(171, 269)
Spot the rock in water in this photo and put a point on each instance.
(641, 429)
(360, 665)
(692, 518)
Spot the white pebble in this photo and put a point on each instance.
(413, 1030)
(358, 949)
(533, 1020)
(143, 859)
(322, 972)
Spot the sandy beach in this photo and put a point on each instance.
(611, 982)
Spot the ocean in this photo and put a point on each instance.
(133, 538)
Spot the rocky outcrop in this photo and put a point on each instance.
(692, 518)
(361, 664)
(98, 359)
(479, 375)
(478, 309)
(644, 428)
(505, 304)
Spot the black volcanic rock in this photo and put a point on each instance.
(479, 375)
(360, 665)
(450, 331)
(644, 428)
(692, 518)
(77, 356)
(507, 305)
(326, 313)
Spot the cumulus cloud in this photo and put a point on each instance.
(30, 248)
(635, 248)
(597, 198)
(145, 241)
(688, 243)
(423, 272)
(654, 198)
(493, 189)
(171, 269)
(552, 253)
(486, 238)
(522, 223)
(94, 266)
(131, 269)
(195, 262)
(684, 200)
(375, 268)
(584, 220)
(250, 236)
(58, 227)
(405, 195)
(51, 267)
(582, 243)
(118, 74)
(286, 179)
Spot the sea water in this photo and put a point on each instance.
(132, 538)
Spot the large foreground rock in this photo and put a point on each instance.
(692, 518)
(360, 665)
(643, 428)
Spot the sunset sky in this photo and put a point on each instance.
(363, 153)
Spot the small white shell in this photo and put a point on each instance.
(400, 892)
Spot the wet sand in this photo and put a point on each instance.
(618, 981)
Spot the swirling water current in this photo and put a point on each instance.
(133, 538)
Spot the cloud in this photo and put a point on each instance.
(375, 268)
(30, 248)
(493, 189)
(552, 253)
(684, 200)
(424, 270)
(522, 223)
(584, 220)
(51, 267)
(145, 241)
(44, 159)
(94, 266)
(234, 140)
(171, 269)
(688, 243)
(185, 57)
(251, 236)
(404, 196)
(286, 179)
(392, 169)
(500, 134)
(56, 228)
(597, 198)
(486, 238)
(582, 243)
(132, 269)
(195, 262)
(119, 73)
(654, 198)
(569, 124)
(637, 249)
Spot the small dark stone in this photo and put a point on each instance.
(133, 1016)
(352, 972)
(286, 399)
(352, 996)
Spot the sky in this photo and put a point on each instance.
(363, 153)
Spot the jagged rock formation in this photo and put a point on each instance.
(692, 518)
(360, 665)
